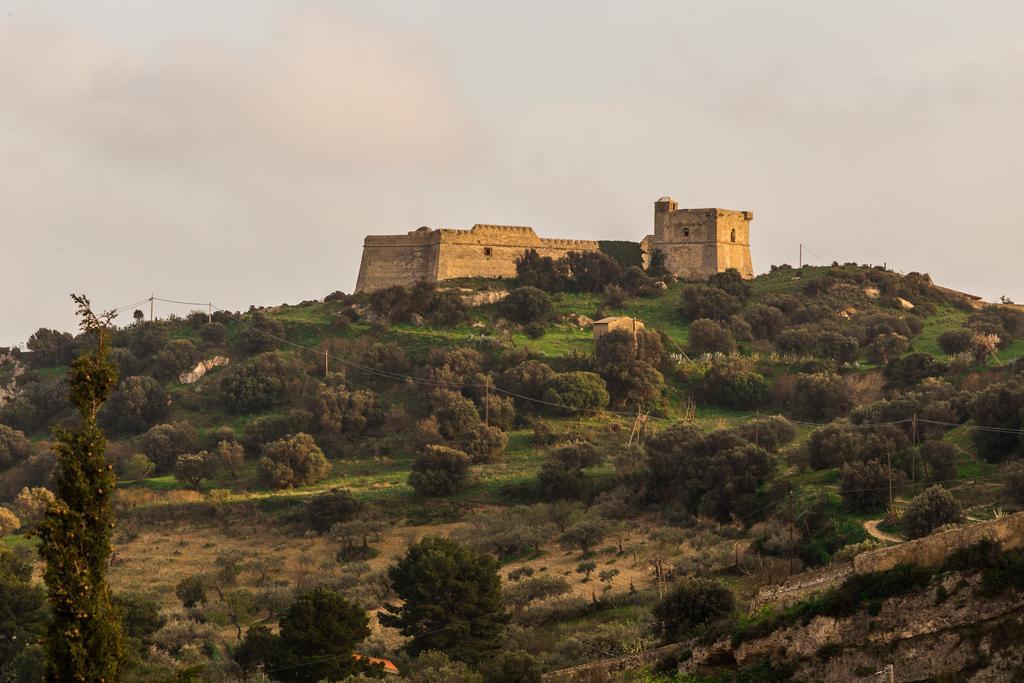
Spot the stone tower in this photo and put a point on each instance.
(698, 243)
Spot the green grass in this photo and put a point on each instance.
(12, 541)
(948, 319)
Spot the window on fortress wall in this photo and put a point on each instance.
(733, 236)
(488, 251)
(686, 232)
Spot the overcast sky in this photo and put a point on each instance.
(237, 152)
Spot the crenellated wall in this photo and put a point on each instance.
(446, 253)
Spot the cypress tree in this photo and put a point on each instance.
(85, 641)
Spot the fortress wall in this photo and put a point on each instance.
(491, 250)
(398, 260)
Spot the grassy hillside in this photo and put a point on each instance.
(363, 377)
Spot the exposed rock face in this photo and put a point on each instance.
(474, 299)
(579, 320)
(201, 368)
(965, 637)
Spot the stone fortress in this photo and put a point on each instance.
(696, 244)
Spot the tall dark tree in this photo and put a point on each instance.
(451, 600)
(318, 634)
(85, 641)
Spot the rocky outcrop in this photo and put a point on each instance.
(950, 631)
(201, 368)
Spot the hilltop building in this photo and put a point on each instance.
(696, 244)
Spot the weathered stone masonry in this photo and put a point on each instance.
(697, 243)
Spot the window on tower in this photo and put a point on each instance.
(733, 236)
(686, 232)
(487, 251)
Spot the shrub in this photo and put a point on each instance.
(704, 301)
(732, 383)
(177, 356)
(9, 521)
(484, 443)
(260, 383)
(440, 471)
(837, 346)
(535, 330)
(529, 378)
(833, 445)
(589, 271)
(526, 305)
(499, 410)
(885, 347)
(1013, 482)
(707, 336)
(213, 333)
(691, 604)
(263, 430)
(627, 363)
(940, 458)
(933, 508)
(864, 486)
(229, 458)
(513, 667)
(14, 447)
(821, 396)
(50, 347)
(344, 415)
(955, 341)
(455, 414)
(192, 468)
(293, 461)
(732, 283)
(136, 466)
(145, 339)
(259, 334)
(136, 405)
(541, 272)
(326, 509)
(585, 534)
(1000, 407)
(797, 340)
(765, 321)
(712, 474)
(575, 392)
(191, 591)
(914, 368)
(770, 433)
(165, 442)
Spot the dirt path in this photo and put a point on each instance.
(871, 526)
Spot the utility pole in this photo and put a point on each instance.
(487, 401)
(327, 365)
(209, 312)
(888, 457)
(801, 255)
(913, 452)
(150, 307)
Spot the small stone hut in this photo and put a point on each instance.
(616, 322)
